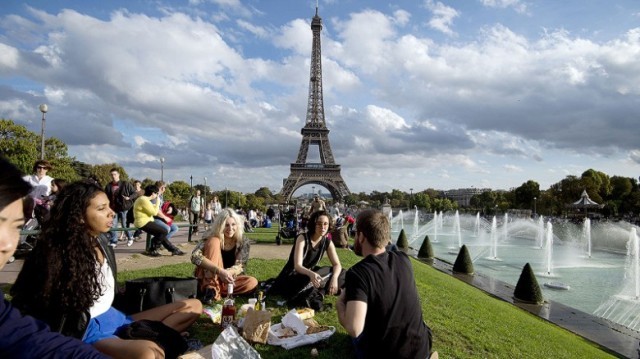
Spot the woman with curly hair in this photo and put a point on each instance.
(69, 279)
(221, 257)
(23, 336)
(302, 267)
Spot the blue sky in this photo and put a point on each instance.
(417, 94)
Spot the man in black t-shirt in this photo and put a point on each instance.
(379, 306)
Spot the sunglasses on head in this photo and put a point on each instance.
(42, 167)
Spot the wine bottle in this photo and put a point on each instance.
(228, 309)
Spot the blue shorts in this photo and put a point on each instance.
(105, 325)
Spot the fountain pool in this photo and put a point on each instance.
(597, 262)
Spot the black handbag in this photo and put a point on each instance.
(146, 293)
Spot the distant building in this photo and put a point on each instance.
(463, 195)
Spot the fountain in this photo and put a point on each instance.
(586, 233)
(554, 248)
(540, 234)
(624, 307)
(456, 231)
(494, 239)
(549, 249)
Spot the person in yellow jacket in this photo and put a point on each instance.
(143, 213)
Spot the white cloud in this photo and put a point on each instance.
(384, 119)
(258, 31)
(518, 5)
(443, 16)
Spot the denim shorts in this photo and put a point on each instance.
(105, 325)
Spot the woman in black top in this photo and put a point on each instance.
(302, 267)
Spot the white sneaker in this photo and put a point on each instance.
(114, 245)
(130, 242)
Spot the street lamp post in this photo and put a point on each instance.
(43, 109)
(191, 182)
(313, 190)
(205, 193)
(535, 200)
(162, 169)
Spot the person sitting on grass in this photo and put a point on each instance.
(69, 279)
(221, 257)
(143, 213)
(302, 270)
(379, 306)
(24, 336)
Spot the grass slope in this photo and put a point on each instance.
(466, 322)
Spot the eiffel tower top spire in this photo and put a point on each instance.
(315, 106)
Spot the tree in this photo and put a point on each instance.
(254, 202)
(17, 144)
(525, 194)
(21, 147)
(264, 192)
(423, 201)
(597, 184)
(180, 192)
(103, 173)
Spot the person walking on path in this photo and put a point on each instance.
(121, 195)
(379, 306)
(195, 210)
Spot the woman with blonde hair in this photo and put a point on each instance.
(221, 257)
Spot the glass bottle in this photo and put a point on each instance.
(228, 309)
(259, 302)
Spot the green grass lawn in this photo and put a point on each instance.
(466, 322)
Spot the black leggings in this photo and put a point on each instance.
(292, 284)
(159, 238)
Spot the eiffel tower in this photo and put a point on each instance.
(315, 132)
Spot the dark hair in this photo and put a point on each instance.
(311, 224)
(60, 273)
(151, 189)
(114, 169)
(43, 163)
(60, 183)
(12, 186)
(375, 226)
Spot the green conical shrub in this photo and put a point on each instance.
(527, 289)
(402, 242)
(463, 263)
(426, 250)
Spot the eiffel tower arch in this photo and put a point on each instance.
(315, 133)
